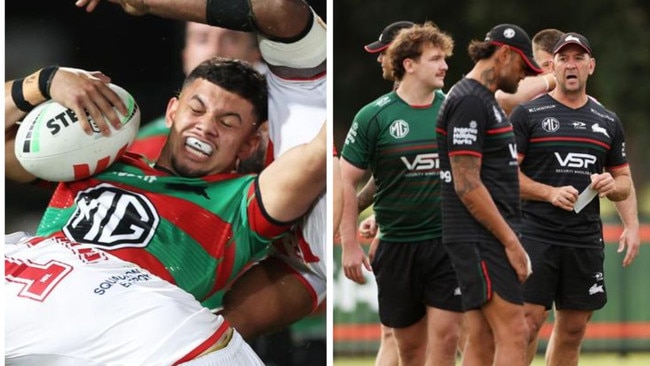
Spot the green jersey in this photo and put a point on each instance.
(197, 233)
(397, 142)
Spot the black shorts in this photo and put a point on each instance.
(572, 278)
(412, 276)
(482, 269)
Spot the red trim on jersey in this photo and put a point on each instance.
(466, 152)
(206, 344)
(495, 131)
(577, 139)
(411, 148)
(305, 249)
(35, 240)
(137, 256)
(615, 167)
(259, 221)
(441, 131)
(315, 77)
(63, 196)
(420, 106)
(145, 260)
(269, 154)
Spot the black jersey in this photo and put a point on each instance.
(472, 123)
(564, 146)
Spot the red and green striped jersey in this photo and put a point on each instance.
(151, 139)
(197, 233)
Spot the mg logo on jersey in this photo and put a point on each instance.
(399, 129)
(575, 160)
(550, 124)
(112, 218)
(422, 162)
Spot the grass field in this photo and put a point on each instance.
(588, 359)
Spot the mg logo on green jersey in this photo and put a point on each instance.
(399, 129)
(112, 218)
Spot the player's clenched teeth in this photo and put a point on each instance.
(198, 145)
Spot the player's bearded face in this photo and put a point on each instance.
(512, 73)
(210, 128)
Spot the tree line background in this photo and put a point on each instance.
(618, 31)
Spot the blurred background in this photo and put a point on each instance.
(619, 33)
(143, 55)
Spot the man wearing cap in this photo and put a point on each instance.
(480, 197)
(379, 46)
(394, 137)
(385, 39)
(387, 352)
(570, 150)
(534, 86)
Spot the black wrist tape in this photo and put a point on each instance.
(231, 14)
(45, 79)
(17, 96)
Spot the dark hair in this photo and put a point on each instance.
(409, 43)
(238, 77)
(481, 50)
(546, 39)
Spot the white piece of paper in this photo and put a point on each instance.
(584, 198)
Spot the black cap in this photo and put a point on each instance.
(387, 36)
(517, 39)
(572, 38)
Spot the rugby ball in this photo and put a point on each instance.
(51, 146)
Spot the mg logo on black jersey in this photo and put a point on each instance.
(112, 218)
(550, 124)
(399, 129)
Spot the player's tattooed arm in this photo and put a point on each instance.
(475, 196)
(365, 195)
(466, 172)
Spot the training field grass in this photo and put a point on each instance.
(587, 359)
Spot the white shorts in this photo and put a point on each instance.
(297, 110)
(68, 303)
(304, 252)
